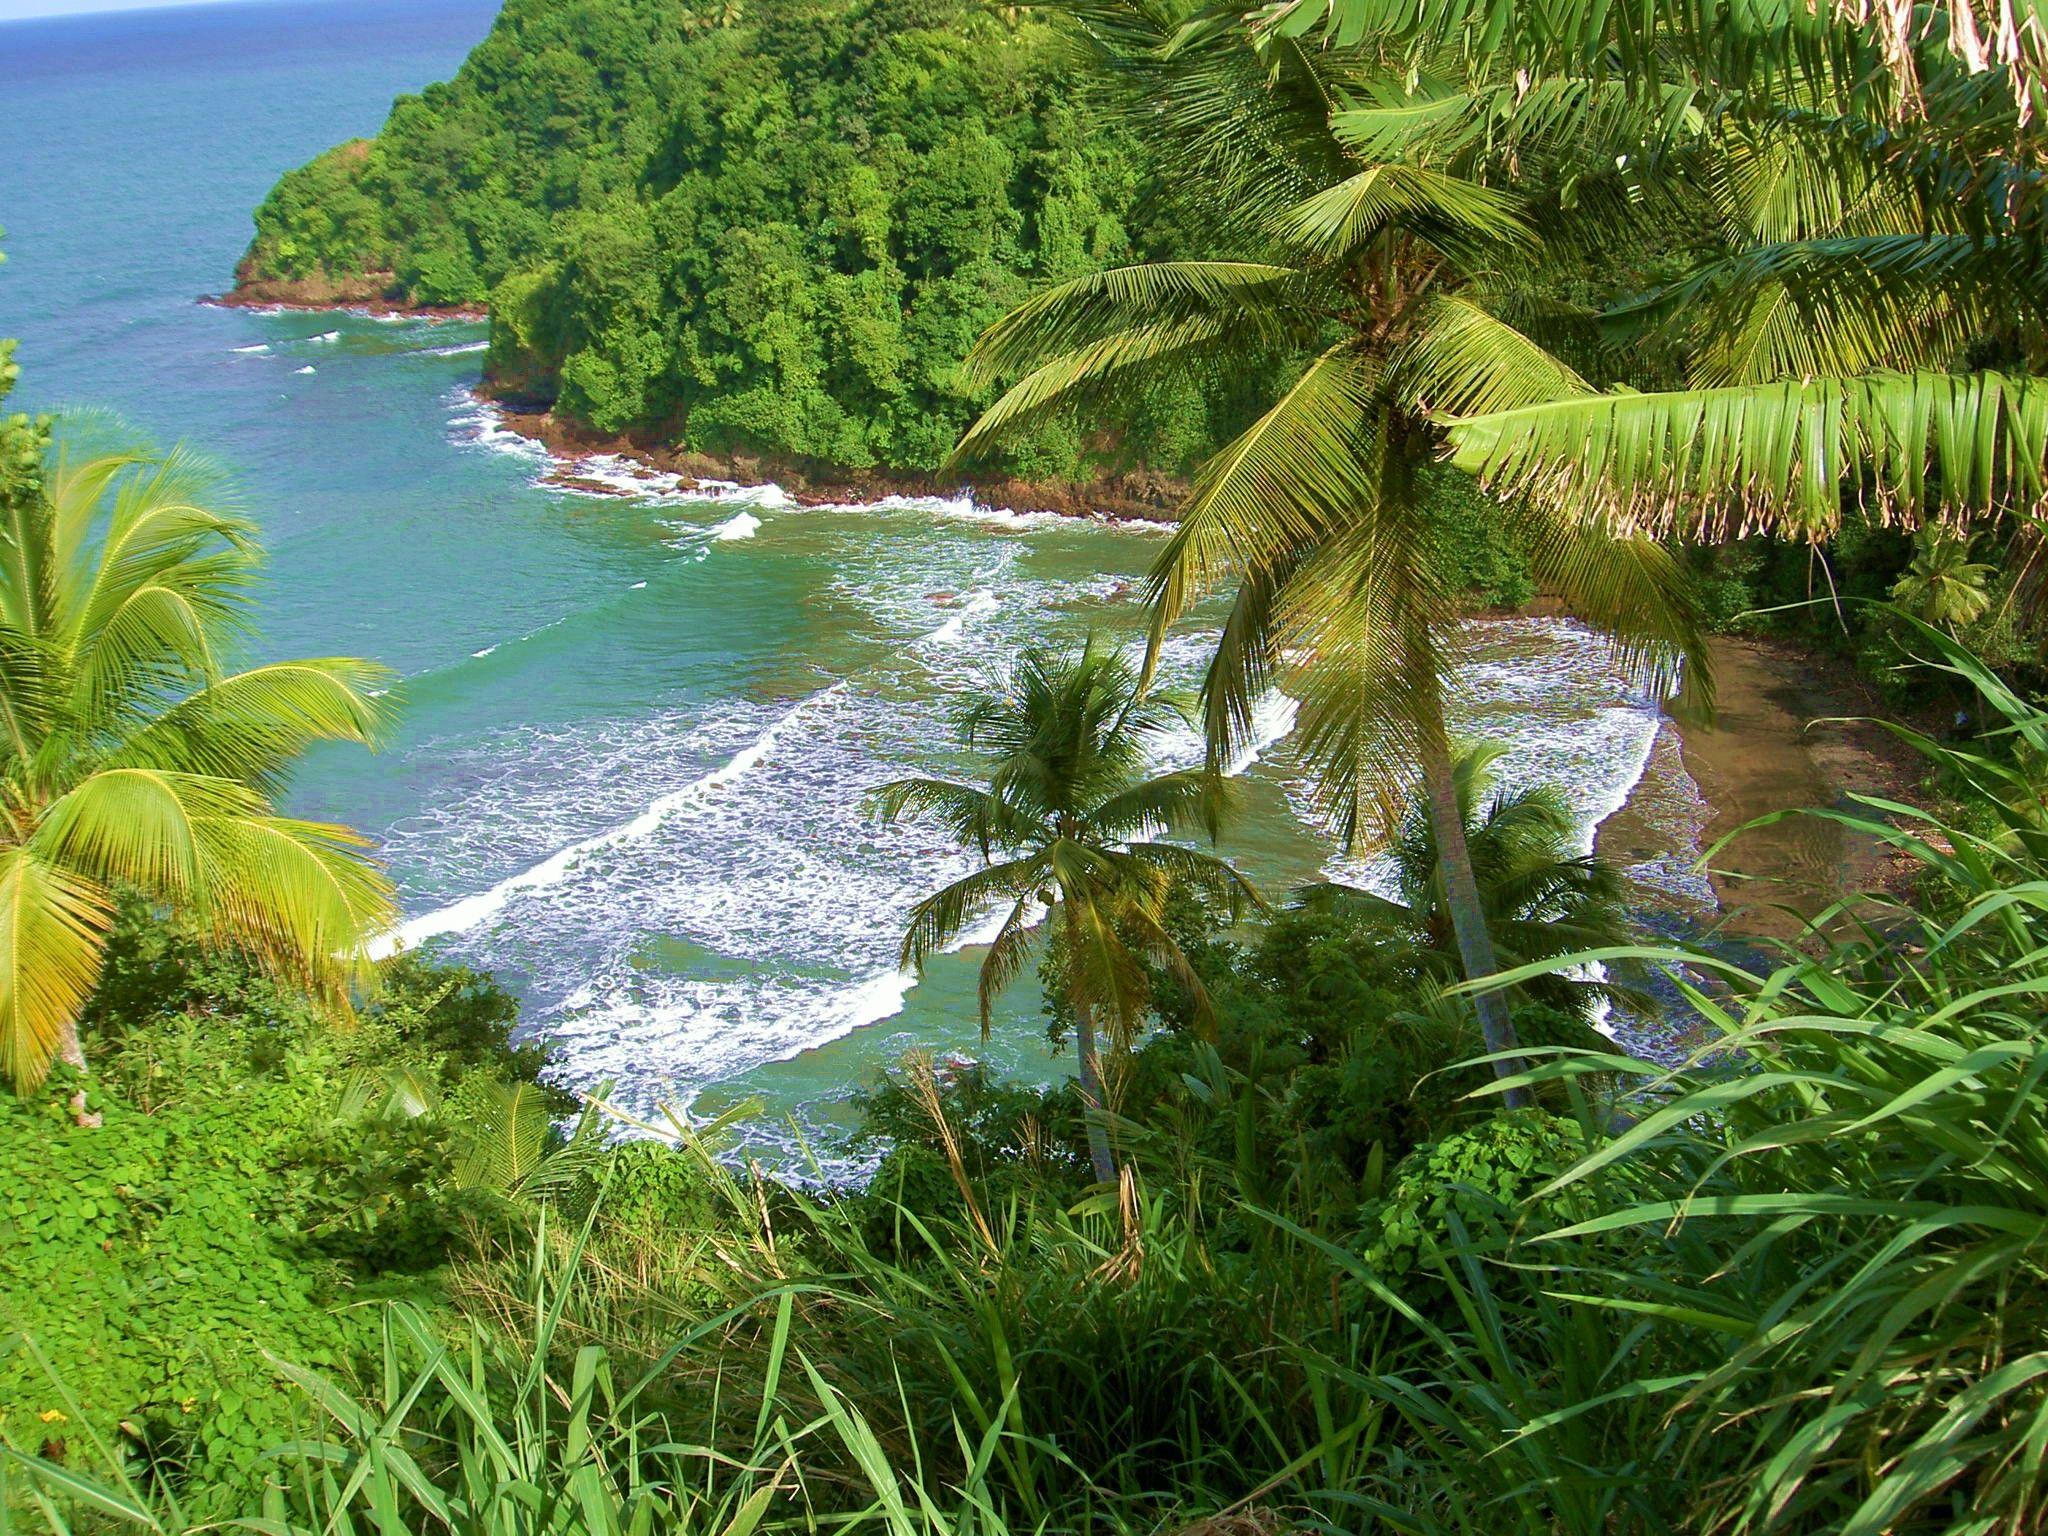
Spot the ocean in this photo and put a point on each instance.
(637, 730)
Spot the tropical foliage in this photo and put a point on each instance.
(1788, 1285)
(234, 1207)
(1541, 896)
(1856, 211)
(1678, 270)
(1403, 288)
(1068, 827)
(135, 759)
(772, 230)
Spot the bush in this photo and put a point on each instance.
(234, 1206)
(1473, 1180)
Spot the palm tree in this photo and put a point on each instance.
(1067, 823)
(1862, 302)
(1542, 899)
(1398, 284)
(131, 759)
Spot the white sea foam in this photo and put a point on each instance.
(484, 652)
(1273, 718)
(961, 506)
(743, 526)
(478, 423)
(616, 475)
(460, 916)
(977, 604)
(457, 349)
(261, 346)
(753, 914)
(307, 369)
(323, 338)
(1546, 690)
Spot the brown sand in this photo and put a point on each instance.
(1778, 741)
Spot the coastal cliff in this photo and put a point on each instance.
(769, 231)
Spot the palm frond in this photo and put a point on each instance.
(1258, 297)
(506, 1140)
(943, 916)
(300, 897)
(1464, 361)
(1242, 668)
(26, 701)
(1714, 461)
(1451, 213)
(1299, 470)
(1101, 969)
(971, 815)
(1631, 588)
(1847, 304)
(1185, 801)
(53, 925)
(1216, 880)
(252, 725)
(1589, 118)
(142, 827)
(1008, 953)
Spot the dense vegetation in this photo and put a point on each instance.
(1793, 1286)
(1349, 1222)
(246, 1196)
(773, 228)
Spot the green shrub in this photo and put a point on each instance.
(234, 1206)
(1480, 1176)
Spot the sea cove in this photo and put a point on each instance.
(898, 768)
(637, 724)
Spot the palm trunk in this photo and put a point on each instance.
(1099, 1152)
(72, 1054)
(1461, 896)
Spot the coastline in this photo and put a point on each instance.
(1789, 730)
(1764, 751)
(1135, 497)
(303, 296)
(1132, 498)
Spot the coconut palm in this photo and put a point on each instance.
(131, 758)
(1889, 61)
(1861, 304)
(1542, 898)
(1397, 283)
(1068, 823)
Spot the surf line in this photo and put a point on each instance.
(461, 916)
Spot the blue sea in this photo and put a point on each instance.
(638, 729)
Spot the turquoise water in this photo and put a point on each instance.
(637, 729)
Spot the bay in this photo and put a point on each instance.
(636, 731)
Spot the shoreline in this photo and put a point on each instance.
(1764, 751)
(366, 293)
(1790, 731)
(1134, 498)
(288, 298)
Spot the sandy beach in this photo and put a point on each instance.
(1779, 739)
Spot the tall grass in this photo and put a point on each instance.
(1798, 1284)
(1821, 1250)
(529, 1431)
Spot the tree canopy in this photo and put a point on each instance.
(774, 230)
